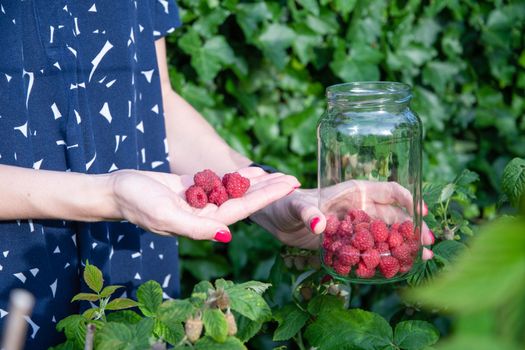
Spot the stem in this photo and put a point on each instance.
(299, 341)
(90, 335)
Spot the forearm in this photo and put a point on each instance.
(41, 194)
(193, 143)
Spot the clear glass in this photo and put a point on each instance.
(369, 182)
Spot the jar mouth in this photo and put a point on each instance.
(369, 93)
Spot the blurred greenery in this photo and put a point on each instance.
(257, 71)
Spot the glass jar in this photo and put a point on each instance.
(369, 182)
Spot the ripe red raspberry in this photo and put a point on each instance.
(389, 266)
(363, 240)
(394, 227)
(332, 224)
(345, 228)
(341, 269)
(335, 246)
(413, 245)
(218, 195)
(395, 239)
(383, 248)
(207, 180)
(364, 272)
(348, 255)
(327, 242)
(358, 216)
(407, 229)
(196, 197)
(379, 231)
(236, 185)
(362, 226)
(405, 267)
(402, 253)
(371, 258)
(328, 258)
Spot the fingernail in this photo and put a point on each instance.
(314, 223)
(425, 209)
(296, 187)
(427, 254)
(223, 236)
(432, 237)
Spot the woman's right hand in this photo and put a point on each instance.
(156, 202)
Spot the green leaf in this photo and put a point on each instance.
(415, 335)
(349, 329)
(172, 334)
(215, 324)
(310, 5)
(231, 343)
(124, 316)
(447, 192)
(324, 302)
(74, 327)
(478, 342)
(86, 296)
(149, 296)
(248, 303)
(486, 276)
(207, 25)
(207, 268)
(90, 313)
(249, 16)
(67, 345)
(177, 310)
(117, 336)
(274, 40)
(256, 286)
(246, 328)
(448, 250)
(513, 181)
(93, 277)
(291, 319)
(107, 291)
(120, 303)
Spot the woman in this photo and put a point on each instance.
(87, 115)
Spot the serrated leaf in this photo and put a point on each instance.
(172, 334)
(291, 319)
(466, 177)
(447, 192)
(256, 286)
(324, 302)
(107, 291)
(341, 329)
(274, 40)
(431, 193)
(207, 343)
(246, 328)
(215, 324)
(117, 336)
(448, 250)
(513, 181)
(415, 335)
(93, 277)
(248, 303)
(177, 310)
(149, 296)
(120, 303)
(86, 296)
(90, 313)
(124, 316)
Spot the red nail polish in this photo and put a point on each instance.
(223, 236)
(314, 223)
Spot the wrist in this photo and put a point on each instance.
(99, 200)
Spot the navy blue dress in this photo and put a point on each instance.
(80, 92)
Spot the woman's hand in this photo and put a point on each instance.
(156, 202)
(296, 219)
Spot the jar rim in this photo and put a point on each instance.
(369, 92)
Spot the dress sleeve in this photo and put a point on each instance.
(165, 17)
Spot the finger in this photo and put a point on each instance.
(427, 254)
(264, 177)
(388, 193)
(268, 180)
(427, 236)
(312, 218)
(193, 226)
(251, 171)
(237, 209)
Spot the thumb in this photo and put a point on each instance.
(199, 228)
(312, 218)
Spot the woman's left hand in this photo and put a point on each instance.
(297, 221)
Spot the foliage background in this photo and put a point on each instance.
(257, 71)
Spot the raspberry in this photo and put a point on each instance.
(363, 240)
(394, 227)
(193, 329)
(345, 228)
(383, 248)
(207, 180)
(407, 229)
(395, 239)
(326, 279)
(328, 258)
(332, 225)
(341, 268)
(413, 246)
(218, 195)
(348, 255)
(389, 266)
(232, 325)
(196, 197)
(335, 246)
(358, 216)
(363, 271)
(327, 242)
(402, 253)
(362, 226)
(379, 231)
(236, 185)
(371, 258)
